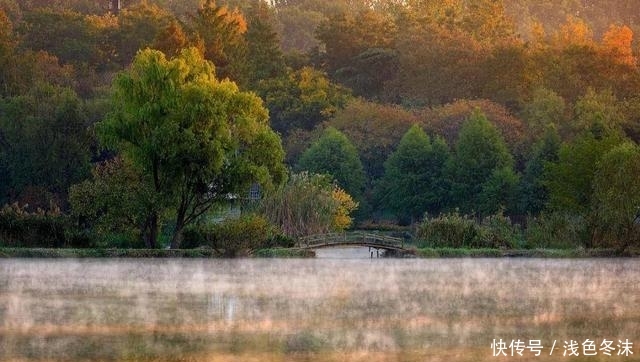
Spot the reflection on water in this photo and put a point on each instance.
(311, 309)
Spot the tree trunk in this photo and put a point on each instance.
(176, 240)
(151, 229)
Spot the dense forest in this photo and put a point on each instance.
(432, 113)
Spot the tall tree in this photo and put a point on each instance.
(414, 181)
(172, 39)
(617, 45)
(194, 138)
(438, 65)
(349, 34)
(600, 110)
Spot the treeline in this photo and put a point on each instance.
(517, 108)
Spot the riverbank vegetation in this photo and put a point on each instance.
(244, 124)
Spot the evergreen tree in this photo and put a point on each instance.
(481, 166)
(414, 181)
(335, 155)
(264, 57)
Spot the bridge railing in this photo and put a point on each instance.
(352, 237)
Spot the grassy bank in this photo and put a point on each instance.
(302, 253)
(142, 253)
(105, 253)
(284, 253)
(524, 253)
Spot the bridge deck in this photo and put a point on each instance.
(358, 238)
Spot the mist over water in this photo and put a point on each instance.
(310, 309)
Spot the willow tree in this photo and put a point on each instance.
(195, 139)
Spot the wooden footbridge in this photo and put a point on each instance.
(353, 238)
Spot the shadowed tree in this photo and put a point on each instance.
(533, 193)
(44, 145)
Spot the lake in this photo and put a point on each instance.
(324, 309)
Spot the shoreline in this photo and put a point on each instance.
(426, 253)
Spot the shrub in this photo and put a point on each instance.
(500, 232)
(461, 231)
(193, 237)
(279, 240)
(232, 236)
(44, 229)
(556, 230)
(449, 230)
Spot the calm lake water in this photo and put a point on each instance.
(327, 309)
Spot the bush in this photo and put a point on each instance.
(233, 236)
(43, 229)
(501, 233)
(449, 230)
(278, 240)
(193, 237)
(461, 231)
(556, 231)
